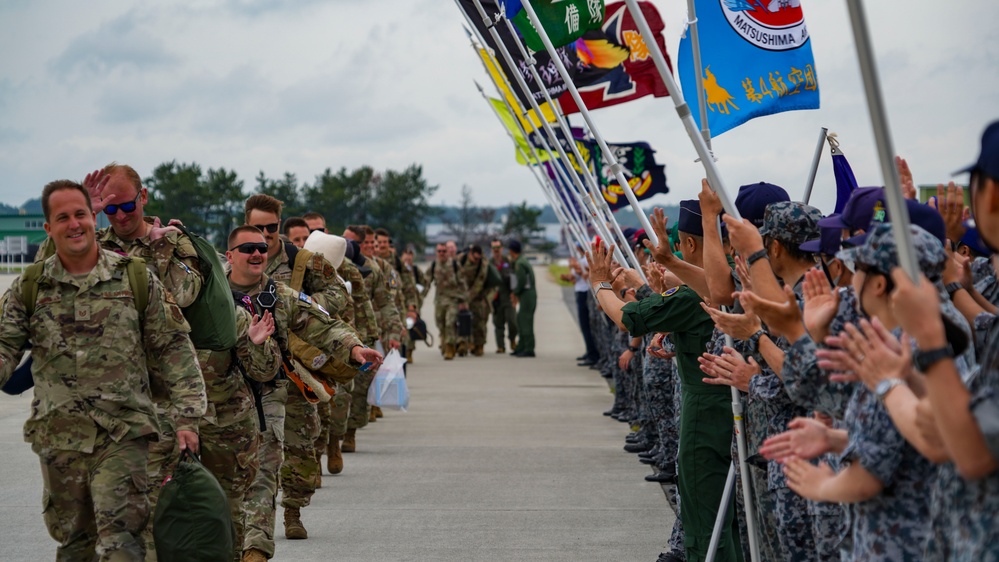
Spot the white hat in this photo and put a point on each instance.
(331, 246)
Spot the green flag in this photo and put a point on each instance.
(518, 138)
(564, 21)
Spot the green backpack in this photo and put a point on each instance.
(212, 315)
(138, 279)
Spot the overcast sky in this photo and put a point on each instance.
(300, 85)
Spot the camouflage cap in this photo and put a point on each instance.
(791, 223)
(879, 251)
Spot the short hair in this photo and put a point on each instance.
(368, 231)
(62, 185)
(795, 253)
(476, 249)
(358, 230)
(261, 202)
(293, 222)
(382, 232)
(128, 171)
(314, 215)
(409, 250)
(236, 231)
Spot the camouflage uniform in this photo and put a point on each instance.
(983, 274)
(503, 312)
(451, 292)
(475, 279)
(389, 329)
(294, 312)
(92, 413)
(230, 430)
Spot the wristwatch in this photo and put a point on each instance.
(633, 349)
(757, 256)
(885, 386)
(926, 359)
(603, 285)
(952, 288)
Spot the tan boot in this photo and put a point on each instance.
(372, 418)
(448, 352)
(293, 527)
(349, 446)
(462, 350)
(253, 555)
(378, 412)
(334, 458)
(409, 355)
(500, 350)
(478, 351)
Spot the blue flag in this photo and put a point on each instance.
(757, 60)
(846, 183)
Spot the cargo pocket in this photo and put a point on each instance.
(52, 522)
(137, 513)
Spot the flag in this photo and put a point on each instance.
(531, 121)
(846, 182)
(757, 60)
(564, 21)
(518, 138)
(546, 67)
(565, 192)
(645, 177)
(614, 64)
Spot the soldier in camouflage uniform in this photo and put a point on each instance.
(403, 290)
(298, 313)
(503, 312)
(92, 436)
(474, 270)
(450, 297)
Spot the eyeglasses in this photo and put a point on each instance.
(441, 251)
(125, 207)
(270, 228)
(320, 229)
(249, 247)
(497, 247)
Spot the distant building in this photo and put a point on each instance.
(20, 236)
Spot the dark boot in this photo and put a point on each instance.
(293, 527)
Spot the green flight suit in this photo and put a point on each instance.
(527, 295)
(705, 419)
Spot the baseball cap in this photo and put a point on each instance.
(919, 214)
(827, 243)
(754, 198)
(791, 223)
(988, 156)
(865, 204)
(880, 251)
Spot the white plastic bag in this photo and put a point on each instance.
(388, 389)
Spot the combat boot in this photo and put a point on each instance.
(253, 555)
(371, 415)
(293, 527)
(500, 350)
(334, 458)
(448, 352)
(462, 349)
(378, 412)
(349, 446)
(478, 351)
(409, 355)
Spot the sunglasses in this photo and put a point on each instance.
(250, 247)
(269, 228)
(124, 207)
(320, 229)
(497, 247)
(441, 251)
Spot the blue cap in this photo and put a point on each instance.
(827, 243)
(690, 217)
(514, 245)
(865, 205)
(919, 214)
(972, 240)
(988, 156)
(754, 198)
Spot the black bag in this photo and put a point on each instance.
(192, 522)
(419, 333)
(464, 323)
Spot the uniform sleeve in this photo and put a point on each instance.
(412, 296)
(322, 281)
(677, 311)
(260, 361)
(878, 446)
(13, 330)
(479, 282)
(168, 345)
(388, 316)
(331, 335)
(176, 263)
(521, 272)
(808, 386)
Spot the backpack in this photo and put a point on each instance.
(211, 316)
(192, 519)
(138, 279)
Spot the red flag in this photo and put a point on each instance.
(615, 65)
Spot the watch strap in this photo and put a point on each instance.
(604, 285)
(952, 288)
(756, 256)
(885, 386)
(926, 359)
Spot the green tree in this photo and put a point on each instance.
(522, 222)
(208, 204)
(401, 205)
(343, 198)
(285, 190)
(468, 223)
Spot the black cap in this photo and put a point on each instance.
(513, 246)
(754, 198)
(690, 217)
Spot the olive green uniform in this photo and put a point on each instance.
(504, 314)
(451, 292)
(527, 294)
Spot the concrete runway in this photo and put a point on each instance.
(498, 459)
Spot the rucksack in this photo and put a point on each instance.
(192, 519)
(138, 279)
(211, 316)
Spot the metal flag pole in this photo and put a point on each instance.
(612, 162)
(695, 43)
(815, 164)
(602, 228)
(584, 171)
(882, 135)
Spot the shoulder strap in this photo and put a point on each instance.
(454, 264)
(29, 286)
(138, 279)
(299, 260)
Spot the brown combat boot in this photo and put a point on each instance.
(500, 350)
(378, 412)
(372, 418)
(349, 446)
(448, 352)
(293, 527)
(334, 458)
(409, 355)
(462, 349)
(253, 555)
(478, 351)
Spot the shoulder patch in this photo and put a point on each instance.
(328, 270)
(671, 292)
(305, 298)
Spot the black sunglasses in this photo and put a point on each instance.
(270, 228)
(250, 247)
(320, 229)
(125, 207)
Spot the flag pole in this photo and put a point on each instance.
(606, 214)
(683, 110)
(695, 44)
(614, 165)
(815, 164)
(882, 135)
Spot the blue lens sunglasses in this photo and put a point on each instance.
(125, 207)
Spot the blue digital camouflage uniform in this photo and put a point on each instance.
(983, 275)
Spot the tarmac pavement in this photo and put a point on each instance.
(498, 458)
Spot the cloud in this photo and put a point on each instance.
(121, 45)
